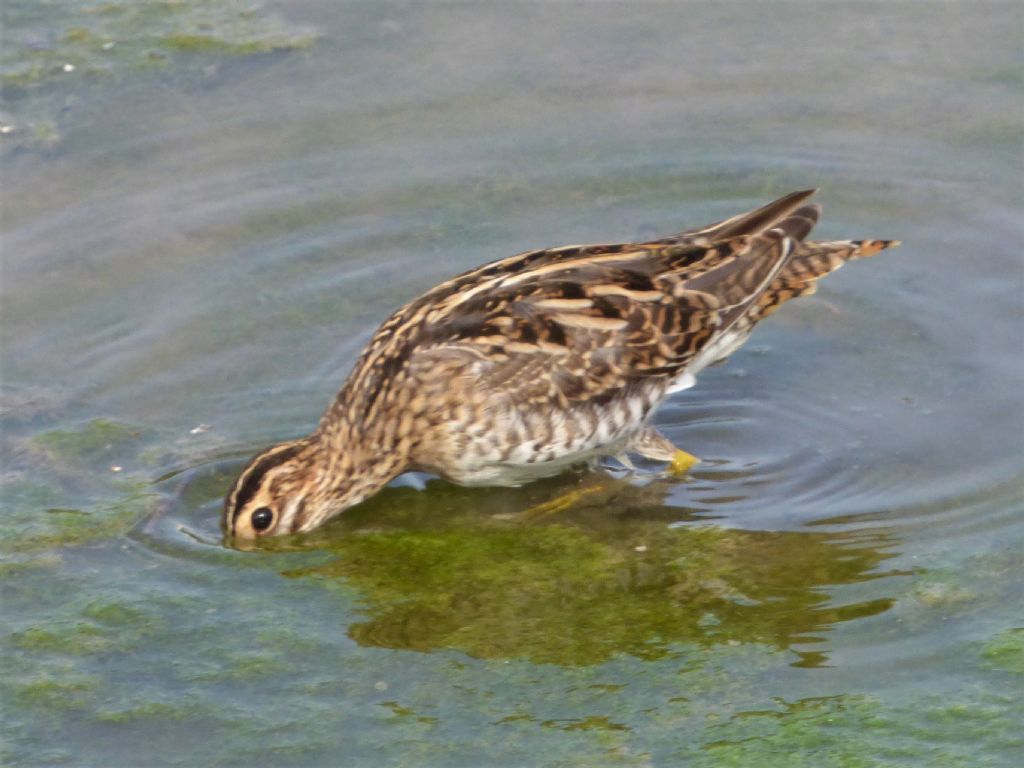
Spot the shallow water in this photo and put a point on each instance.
(195, 251)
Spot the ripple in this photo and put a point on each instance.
(187, 522)
(780, 461)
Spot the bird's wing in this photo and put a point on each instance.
(751, 222)
(585, 328)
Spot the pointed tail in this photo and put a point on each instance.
(811, 262)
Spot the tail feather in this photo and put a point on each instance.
(811, 262)
(847, 249)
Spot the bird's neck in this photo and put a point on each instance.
(358, 456)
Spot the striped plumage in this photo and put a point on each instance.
(525, 366)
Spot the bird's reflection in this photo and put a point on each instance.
(620, 573)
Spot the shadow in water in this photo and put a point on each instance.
(445, 568)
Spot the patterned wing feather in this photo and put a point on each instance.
(587, 328)
(582, 324)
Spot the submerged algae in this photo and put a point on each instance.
(66, 692)
(45, 48)
(68, 486)
(94, 441)
(121, 35)
(582, 590)
(37, 515)
(437, 572)
(856, 731)
(1006, 651)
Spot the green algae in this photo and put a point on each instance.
(71, 692)
(704, 704)
(77, 640)
(122, 36)
(1005, 651)
(114, 614)
(238, 45)
(52, 48)
(957, 586)
(94, 442)
(103, 627)
(582, 590)
(71, 486)
(861, 731)
(593, 723)
(11, 566)
(246, 667)
(150, 710)
(30, 528)
(937, 594)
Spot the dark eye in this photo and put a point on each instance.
(262, 518)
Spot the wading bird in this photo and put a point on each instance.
(527, 366)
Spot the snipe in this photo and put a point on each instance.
(526, 366)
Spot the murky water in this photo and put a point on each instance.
(195, 250)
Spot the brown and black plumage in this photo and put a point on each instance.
(526, 366)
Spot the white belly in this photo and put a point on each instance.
(505, 473)
(550, 442)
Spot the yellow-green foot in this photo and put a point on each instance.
(651, 444)
(682, 462)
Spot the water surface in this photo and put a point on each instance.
(199, 237)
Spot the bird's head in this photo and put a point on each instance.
(272, 495)
(297, 486)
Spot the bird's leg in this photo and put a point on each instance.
(556, 505)
(651, 444)
(589, 486)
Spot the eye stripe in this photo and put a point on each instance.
(248, 483)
